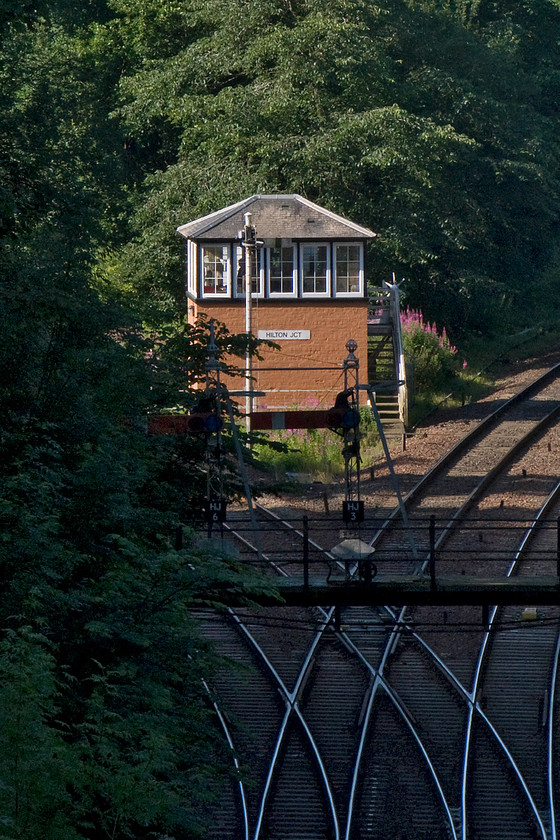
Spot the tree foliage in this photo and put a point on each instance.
(106, 730)
(434, 124)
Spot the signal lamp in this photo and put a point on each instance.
(342, 415)
(204, 422)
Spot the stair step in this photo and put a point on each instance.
(382, 371)
(393, 429)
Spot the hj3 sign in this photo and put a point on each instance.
(353, 511)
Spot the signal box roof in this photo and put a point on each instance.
(275, 217)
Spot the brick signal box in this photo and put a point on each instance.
(308, 291)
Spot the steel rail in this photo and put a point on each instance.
(394, 636)
(393, 641)
(291, 527)
(484, 426)
(550, 739)
(466, 442)
(472, 704)
(445, 534)
(291, 700)
(516, 770)
(521, 550)
(540, 427)
(380, 681)
(551, 500)
(260, 555)
(229, 739)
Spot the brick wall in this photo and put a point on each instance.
(330, 324)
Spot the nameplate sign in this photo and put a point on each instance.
(284, 335)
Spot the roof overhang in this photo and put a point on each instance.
(275, 216)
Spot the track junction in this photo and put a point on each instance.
(404, 721)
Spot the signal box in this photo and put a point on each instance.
(308, 292)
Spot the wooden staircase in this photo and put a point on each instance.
(383, 366)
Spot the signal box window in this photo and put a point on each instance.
(192, 284)
(348, 269)
(215, 270)
(281, 269)
(257, 271)
(315, 269)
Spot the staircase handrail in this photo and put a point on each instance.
(395, 314)
(378, 297)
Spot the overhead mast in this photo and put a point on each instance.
(249, 243)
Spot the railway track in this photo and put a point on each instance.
(412, 723)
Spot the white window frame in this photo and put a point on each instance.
(328, 271)
(192, 269)
(360, 292)
(226, 256)
(284, 243)
(237, 254)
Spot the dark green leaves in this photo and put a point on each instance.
(420, 120)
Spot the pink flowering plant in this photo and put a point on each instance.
(433, 355)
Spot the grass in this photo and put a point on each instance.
(314, 454)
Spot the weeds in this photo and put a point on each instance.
(434, 357)
(315, 453)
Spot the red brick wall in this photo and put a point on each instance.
(330, 323)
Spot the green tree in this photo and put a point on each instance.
(106, 730)
(402, 116)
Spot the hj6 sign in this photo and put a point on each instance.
(216, 510)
